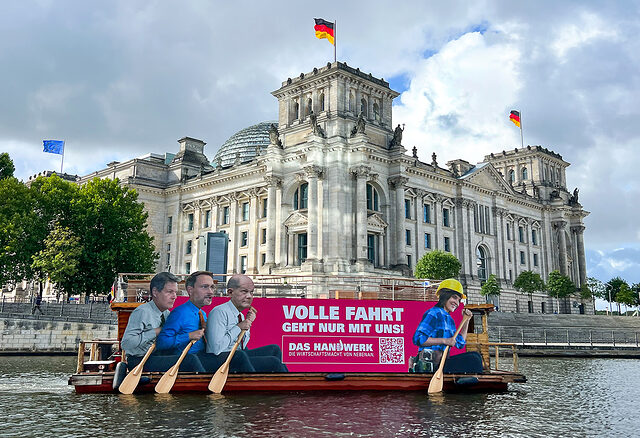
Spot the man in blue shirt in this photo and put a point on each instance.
(226, 324)
(183, 324)
(437, 328)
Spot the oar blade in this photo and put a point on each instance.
(435, 385)
(219, 380)
(130, 383)
(167, 380)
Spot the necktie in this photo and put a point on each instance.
(161, 319)
(239, 321)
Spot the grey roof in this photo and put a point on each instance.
(474, 169)
(244, 142)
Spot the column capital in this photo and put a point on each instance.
(273, 181)
(360, 171)
(397, 182)
(500, 211)
(420, 193)
(578, 229)
(313, 171)
(559, 225)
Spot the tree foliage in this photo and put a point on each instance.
(6, 166)
(627, 296)
(596, 287)
(560, 286)
(438, 265)
(490, 287)
(529, 282)
(80, 237)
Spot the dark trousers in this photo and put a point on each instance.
(267, 359)
(161, 363)
(469, 362)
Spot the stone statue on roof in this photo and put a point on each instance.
(397, 137)
(359, 127)
(274, 136)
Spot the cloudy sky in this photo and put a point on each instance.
(119, 79)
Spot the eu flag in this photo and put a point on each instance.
(54, 146)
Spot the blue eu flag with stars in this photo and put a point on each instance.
(54, 146)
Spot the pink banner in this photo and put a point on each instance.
(338, 335)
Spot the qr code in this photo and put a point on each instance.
(392, 350)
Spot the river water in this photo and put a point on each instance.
(569, 397)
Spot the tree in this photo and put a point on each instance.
(6, 166)
(438, 265)
(490, 287)
(529, 282)
(613, 287)
(559, 286)
(59, 258)
(627, 296)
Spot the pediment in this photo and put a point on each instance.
(375, 220)
(488, 178)
(296, 220)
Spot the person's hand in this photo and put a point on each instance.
(251, 315)
(246, 324)
(468, 312)
(196, 335)
(451, 342)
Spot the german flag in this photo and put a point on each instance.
(515, 117)
(324, 29)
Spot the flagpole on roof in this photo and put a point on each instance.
(62, 160)
(521, 136)
(335, 39)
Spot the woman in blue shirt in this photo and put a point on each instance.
(437, 328)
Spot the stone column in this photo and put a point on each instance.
(361, 173)
(312, 174)
(233, 234)
(562, 243)
(253, 258)
(270, 256)
(397, 183)
(582, 264)
(438, 217)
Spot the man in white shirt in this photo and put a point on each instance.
(226, 322)
(145, 323)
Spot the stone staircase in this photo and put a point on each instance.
(95, 312)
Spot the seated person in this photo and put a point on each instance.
(183, 324)
(225, 325)
(437, 328)
(146, 322)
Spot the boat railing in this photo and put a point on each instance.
(100, 352)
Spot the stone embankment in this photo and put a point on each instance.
(567, 335)
(58, 330)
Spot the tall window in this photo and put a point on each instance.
(263, 236)
(309, 107)
(426, 213)
(534, 237)
(508, 232)
(264, 207)
(244, 238)
(407, 208)
(525, 174)
(447, 244)
(371, 248)
(481, 261)
(296, 110)
(190, 222)
(376, 112)
(409, 261)
(522, 257)
(302, 247)
(245, 211)
(427, 241)
(187, 268)
(322, 102)
(300, 197)
(352, 102)
(373, 200)
(243, 264)
(225, 215)
(407, 234)
(169, 224)
(521, 234)
(189, 246)
(207, 218)
(509, 255)
(445, 217)
(535, 260)
(512, 176)
(363, 106)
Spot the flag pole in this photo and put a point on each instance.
(62, 160)
(521, 136)
(335, 39)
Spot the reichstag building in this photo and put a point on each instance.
(329, 189)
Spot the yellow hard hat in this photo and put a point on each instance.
(451, 284)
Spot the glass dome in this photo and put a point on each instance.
(244, 142)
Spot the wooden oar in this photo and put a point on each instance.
(219, 379)
(435, 385)
(130, 383)
(167, 380)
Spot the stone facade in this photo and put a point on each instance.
(334, 192)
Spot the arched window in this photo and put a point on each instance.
(309, 107)
(525, 174)
(376, 112)
(300, 197)
(363, 106)
(296, 110)
(322, 102)
(481, 261)
(512, 176)
(352, 101)
(373, 200)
